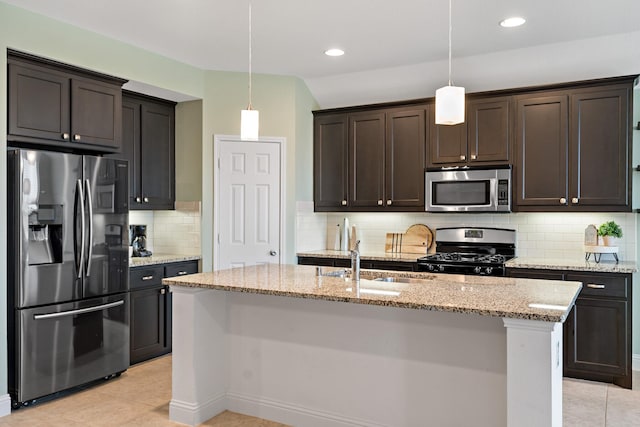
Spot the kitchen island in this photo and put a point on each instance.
(282, 343)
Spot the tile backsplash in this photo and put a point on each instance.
(539, 235)
(172, 232)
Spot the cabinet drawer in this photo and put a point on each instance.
(605, 285)
(144, 277)
(180, 269)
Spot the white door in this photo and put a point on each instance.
(248, 203)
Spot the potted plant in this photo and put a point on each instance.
(609, 232)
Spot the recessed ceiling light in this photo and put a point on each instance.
(514, 21)
(334, 52)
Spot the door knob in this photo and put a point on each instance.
(574, 200)
(463, 157)
(473, 157)
(379, 202)
(76, 137)
(146, 200)
(563, 201)
(344, 203)
(273, 253)
(389, 202)
(65, 136)
(138, 199)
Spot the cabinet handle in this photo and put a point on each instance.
(473, 157)
(163, 291)
(344, 203)
(574, 200)
(147, 277)
(389, 202)
(138, 199)
(463, 157)
(594, 286)
(146, 200)
(379, 202)
(65, 136)
(563, 201)
(181, 273)
(76, 137)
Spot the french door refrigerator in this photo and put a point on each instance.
(68, 272)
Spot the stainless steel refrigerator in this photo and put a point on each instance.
(68, 272)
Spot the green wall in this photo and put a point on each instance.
(283, 103)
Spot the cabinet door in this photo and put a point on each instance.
(96, 114)
(330, 157)
(405, 158)
(157, 155)
(148, 332)
(180, 268)
(542, 141)
(131, 149)
(600, 148)
(447, 144)
(366, 159)
(38, 103)
(535, 274)
(488, 130)
(596, 336)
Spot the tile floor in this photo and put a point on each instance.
(140, 397)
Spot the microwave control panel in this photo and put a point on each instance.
(503, 192)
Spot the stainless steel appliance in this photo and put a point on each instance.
(468, 190)
(471, 250)
(138, 234)
(68, 272)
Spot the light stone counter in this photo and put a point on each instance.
(487, 296)
(160, 259)
(370, 256)
(604, 266)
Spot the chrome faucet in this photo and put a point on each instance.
(355, 262)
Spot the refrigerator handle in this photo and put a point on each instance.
(77, 311)
(79, 252)
(90, 214)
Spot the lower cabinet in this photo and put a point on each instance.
(597, 332)
(151, 309)
(364, 263)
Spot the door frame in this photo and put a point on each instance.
(217, 139)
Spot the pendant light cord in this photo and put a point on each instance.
(450, 30)
(250, 37)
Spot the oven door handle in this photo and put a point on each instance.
(78, 311)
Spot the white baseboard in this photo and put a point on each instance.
(193, 415)
(290, 414)
(635, 362)
(5, 405)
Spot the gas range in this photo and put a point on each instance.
(471, 250)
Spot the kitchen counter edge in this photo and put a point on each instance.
(161, 259)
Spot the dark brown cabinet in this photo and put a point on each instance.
(597, 332)
(62, 106)
(330, 162)
(148, 135)
(151, 309)
(484, 138)
(370, 160)
(573, 150)
(364, 263)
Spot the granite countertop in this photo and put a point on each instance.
(371, 256)
(604, 266)
(545, 300)
(161, 259)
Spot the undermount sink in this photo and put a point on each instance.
(330, 272)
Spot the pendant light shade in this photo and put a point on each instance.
(249, 118)
(249, 125)
(450, 105)
(450, 99)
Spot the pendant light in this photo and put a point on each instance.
(249, 118)
(450, 99)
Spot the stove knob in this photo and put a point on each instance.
(441, 267)
(477, 270)
(430, 267)
(488, 270)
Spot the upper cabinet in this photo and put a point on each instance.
(370, 160)
(572, 150)
(483, 139)
(57, 105)
(148, 133)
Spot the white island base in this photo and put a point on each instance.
(307, 362)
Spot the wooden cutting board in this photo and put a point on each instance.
(416, 240)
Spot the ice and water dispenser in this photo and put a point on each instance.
(45, 235)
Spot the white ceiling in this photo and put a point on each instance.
(290, 36)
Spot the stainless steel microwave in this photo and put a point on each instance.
(468, 190)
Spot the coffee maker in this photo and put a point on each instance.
(138, 238)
